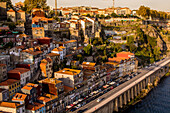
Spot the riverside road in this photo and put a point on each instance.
(93, 105)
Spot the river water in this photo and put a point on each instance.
(157, 101)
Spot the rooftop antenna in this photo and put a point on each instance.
(55, 7)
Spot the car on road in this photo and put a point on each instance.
(99, 100)
(112, 83)
(111, 87)
(73, 109)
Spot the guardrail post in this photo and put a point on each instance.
(116, 105)
(125, 98)
(128, 95)
(120, 101)
(132, 95)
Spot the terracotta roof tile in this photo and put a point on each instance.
(34, 107)
(19, 97)
(9, 104)
(9, 82)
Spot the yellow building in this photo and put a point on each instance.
(11, 15)
(38, 32)
(21, 16)
(11, 107)
(46, 67)
(52, 86)
(12, 85)
(70, 77)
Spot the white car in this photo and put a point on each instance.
(112, 83)
(98, 100)
(80, 99)
(76, 102)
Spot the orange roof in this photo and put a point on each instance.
(51, 96)
(129, 53)
(112, 63)
(53, 54)
(68, 89)
(19, 97)
(50, 80)
(45, 38)
(62, 47)
(9, 104)
(71, 41)
(44, 99)
(19, 47)
(88, 64)
(9, 82)
(80, 48)
(118, 59)
(1, 65)
(34, 107)
(27, 87)
(11, 10)
(20, 11)
(69, 71)
(31, 84)
(57, 49)
(32, 52)
(19, 70)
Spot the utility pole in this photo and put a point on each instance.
(113, 4)
(55, 7)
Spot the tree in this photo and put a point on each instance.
(107, 17)
(97, 16)
(144, 11)
(88, 15)
(114, 15)
(133, 48)
(157, 53)
(60, 14)
(102, 16)
(9, 4)
(30, 4)
(12, 26)
(88, 49)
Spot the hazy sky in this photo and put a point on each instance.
(163, 5)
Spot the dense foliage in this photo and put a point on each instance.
(30, 4)
(146, 12)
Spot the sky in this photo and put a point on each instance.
(162, 5)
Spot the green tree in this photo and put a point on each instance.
(12, 26)
(107, 17)
(60, 14)
(88, 15)
(30, 4)
(114, 15)
(144, 11)
(97, 16)
(88, 49)
(133, 48)
(157, 53)
(102, 16)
